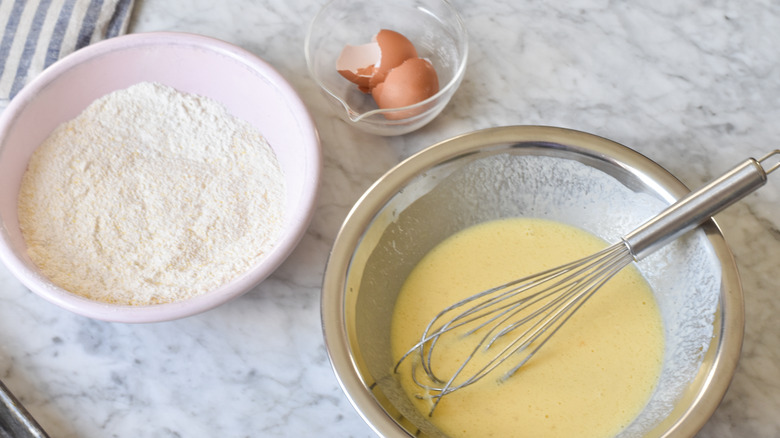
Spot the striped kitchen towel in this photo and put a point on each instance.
(39, 32)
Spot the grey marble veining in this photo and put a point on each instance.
(693, 85)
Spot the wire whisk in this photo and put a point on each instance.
(510, 323)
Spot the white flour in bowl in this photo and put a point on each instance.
(150, 196)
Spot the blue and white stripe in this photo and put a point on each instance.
(39, 32)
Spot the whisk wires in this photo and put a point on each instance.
(766, 161)
(531, 309)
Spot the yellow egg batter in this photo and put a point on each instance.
(590, 380)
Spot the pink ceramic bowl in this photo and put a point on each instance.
(248, 87)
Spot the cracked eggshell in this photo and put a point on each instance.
(411, 82)
(358, 63)
(394, 50)
(367, 65)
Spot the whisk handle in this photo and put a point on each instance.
(698, 206)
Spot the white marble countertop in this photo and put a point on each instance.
(693, 85)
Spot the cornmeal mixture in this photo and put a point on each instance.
(589, 381)
(150, 196)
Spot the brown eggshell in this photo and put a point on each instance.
(361, 81)
(357, 63)
(411, 82)
(395, 49)
(360, 77)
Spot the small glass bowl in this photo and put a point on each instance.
(433, 26)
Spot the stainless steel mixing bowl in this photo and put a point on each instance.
(548, 172)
